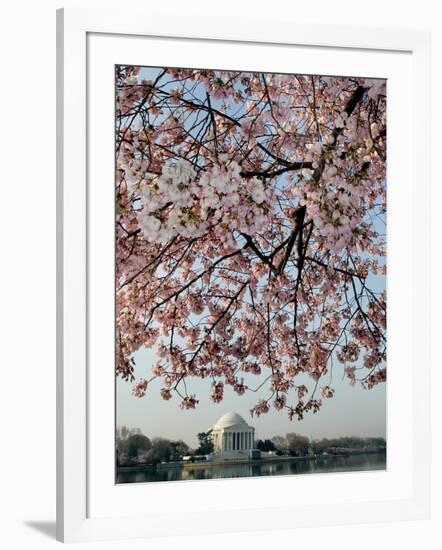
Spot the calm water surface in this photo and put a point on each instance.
(321, 465)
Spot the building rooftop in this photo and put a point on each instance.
(231, 419)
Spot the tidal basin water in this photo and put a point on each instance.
(319, 465)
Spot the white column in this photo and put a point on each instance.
(243, 446)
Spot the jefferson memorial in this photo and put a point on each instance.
(232, 437)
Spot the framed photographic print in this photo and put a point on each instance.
(240, 210)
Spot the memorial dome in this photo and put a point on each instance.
(231, 419)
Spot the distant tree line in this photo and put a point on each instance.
(292, 445)
(298, 445)
(350, 442)
(133, 447)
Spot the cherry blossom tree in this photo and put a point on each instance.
(250, 233)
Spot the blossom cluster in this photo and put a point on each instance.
(183, 202)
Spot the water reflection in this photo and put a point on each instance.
(257, 469)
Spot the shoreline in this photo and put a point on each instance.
(185, 465)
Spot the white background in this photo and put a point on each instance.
(27, 218)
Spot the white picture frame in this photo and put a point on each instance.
(86, 502)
